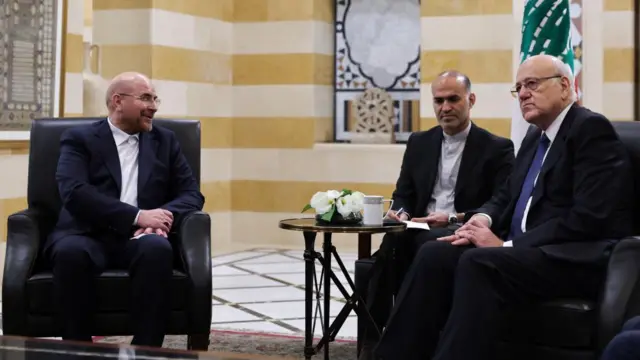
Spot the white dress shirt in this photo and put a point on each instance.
(443, 195)
(128, 149)
(551, 133)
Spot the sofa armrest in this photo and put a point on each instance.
(23, 245)
(194, 243)
(620, 298)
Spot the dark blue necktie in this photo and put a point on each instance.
(527, 187)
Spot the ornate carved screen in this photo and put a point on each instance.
(378, 45)
(31, 33)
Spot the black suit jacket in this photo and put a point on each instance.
(582, 199)
(89, 181)
(486, 162)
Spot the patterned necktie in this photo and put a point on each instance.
(527, 187)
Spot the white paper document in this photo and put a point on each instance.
(138, 236)
(416, 225)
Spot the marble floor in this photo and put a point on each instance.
(262, 290)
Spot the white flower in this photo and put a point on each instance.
(344, 206)
(358, 201)
(350, 204)
(321, 202)
(333, 194)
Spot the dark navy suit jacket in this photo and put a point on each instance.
(583, 199)
(486, 162)
(89, 181)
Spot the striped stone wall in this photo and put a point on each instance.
(478, 41)
(483, 39)
(282, 81)
(186, 48)
(257, 73)
(617, 58)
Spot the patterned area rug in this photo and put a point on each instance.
(252, 343)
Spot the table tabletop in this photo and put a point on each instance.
(21, 348)
(312, 225)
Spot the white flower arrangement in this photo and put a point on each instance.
(348, 204)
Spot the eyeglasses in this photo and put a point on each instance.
(531, 84)
(146, 98)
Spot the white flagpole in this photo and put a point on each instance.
(518, 125)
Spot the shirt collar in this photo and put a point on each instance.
(461, 136)
(553, 129)
(118, 135)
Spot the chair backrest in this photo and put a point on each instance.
(629, 133)
(42, 188)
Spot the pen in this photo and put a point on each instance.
(398, 213)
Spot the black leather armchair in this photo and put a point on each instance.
(571, 329)
(27, 281)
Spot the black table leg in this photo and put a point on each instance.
(354, 300)
(364, 246)
(364, 252)
(327, 246)
(309, 258)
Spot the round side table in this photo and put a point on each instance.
(309, 228)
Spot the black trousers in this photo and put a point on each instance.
(392, 262)
(625, 345)
(450, 302)
(77, 260)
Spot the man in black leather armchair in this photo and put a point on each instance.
(124, 184)
(544, 236)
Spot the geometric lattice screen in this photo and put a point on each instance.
(377, 45)
(30, 44)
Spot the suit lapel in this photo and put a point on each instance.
(109, 151)
(146, 157)
(432, 157)
(553, 155)
(470, 156)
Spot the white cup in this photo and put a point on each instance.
(373, 209)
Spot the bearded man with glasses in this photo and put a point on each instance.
(124, 185)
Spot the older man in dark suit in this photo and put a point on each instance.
(124, 185)
(446, 171)
(541, 237)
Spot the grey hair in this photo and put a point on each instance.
(565, 70)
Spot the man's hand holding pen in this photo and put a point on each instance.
(399, 215)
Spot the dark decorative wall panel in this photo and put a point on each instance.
(28, 43)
